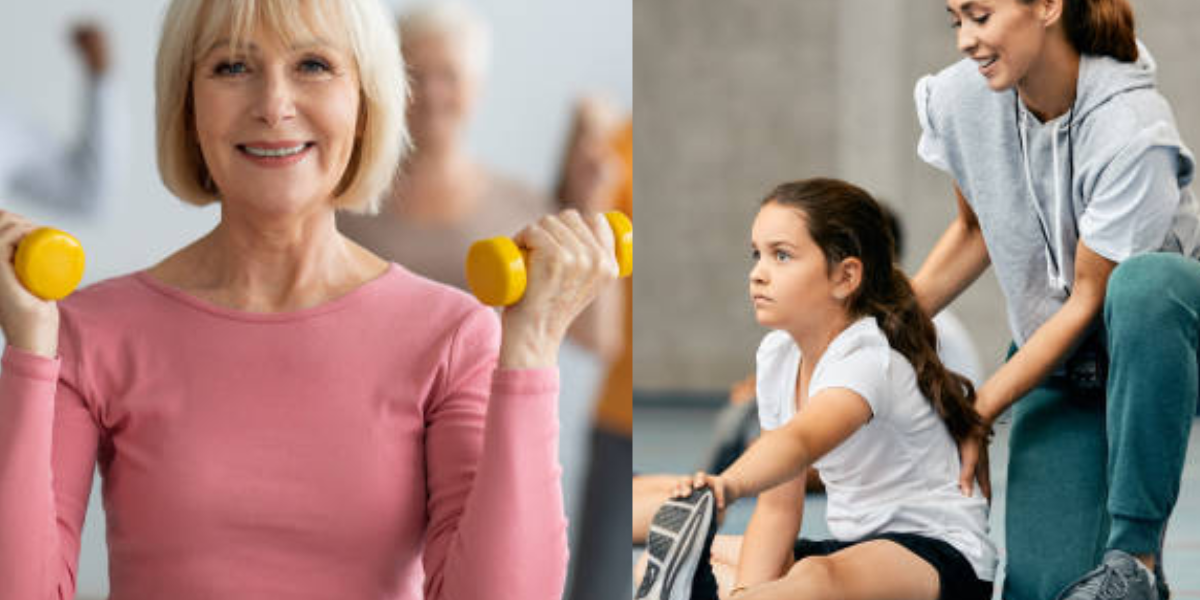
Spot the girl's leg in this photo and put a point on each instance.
(649, 492)
(639, 569)
(875, 570)
(1056, 522)
(726, 550)
(1152, 318)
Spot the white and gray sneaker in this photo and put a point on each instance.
(1119, 577)
(680, 538)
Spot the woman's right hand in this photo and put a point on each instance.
(29, 323)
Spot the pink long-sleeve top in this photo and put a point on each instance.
(364, 448)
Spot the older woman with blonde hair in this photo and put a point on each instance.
(275, 411)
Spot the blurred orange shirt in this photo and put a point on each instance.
(615, 406)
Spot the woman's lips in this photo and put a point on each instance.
(275, 154)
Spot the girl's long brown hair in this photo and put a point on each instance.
(846, 222)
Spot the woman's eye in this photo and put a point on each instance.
(980, 20)
(955, 24)
(755, 255)
(782, 256)
(314, 65)
(230, 68)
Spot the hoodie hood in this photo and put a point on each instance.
(1102, 78)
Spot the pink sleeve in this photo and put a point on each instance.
(48, 443)
(496, 521)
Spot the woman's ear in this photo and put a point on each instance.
(847, 277)
(1050, 11)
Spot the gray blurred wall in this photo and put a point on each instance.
(735, 96)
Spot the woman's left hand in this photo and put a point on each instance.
(973, 452)
(570, 258)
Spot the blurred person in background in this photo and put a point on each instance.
(80, 177)
(443, 199)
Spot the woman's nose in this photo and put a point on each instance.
(967, 40)
(276, 103)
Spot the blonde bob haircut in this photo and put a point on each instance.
(192, 27)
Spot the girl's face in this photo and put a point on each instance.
(790, 284)
(1005, 37)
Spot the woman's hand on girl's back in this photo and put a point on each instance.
(973, 453)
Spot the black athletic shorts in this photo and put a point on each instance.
(955, 574)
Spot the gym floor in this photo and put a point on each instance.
(671, 439)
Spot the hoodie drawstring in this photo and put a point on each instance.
(1053, 249)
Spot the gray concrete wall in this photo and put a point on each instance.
(735, 96)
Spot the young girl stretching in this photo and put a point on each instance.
(854, 359)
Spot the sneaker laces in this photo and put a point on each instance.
(1113, 585)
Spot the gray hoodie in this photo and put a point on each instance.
(1112, 171)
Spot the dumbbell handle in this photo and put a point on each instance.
(49, 263)
(496, 266)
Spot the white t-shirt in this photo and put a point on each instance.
(899, 472)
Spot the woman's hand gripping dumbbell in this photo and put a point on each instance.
(37, 267)
(496, 267)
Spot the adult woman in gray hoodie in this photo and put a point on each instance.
(1071, 180)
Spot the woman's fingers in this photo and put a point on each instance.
(983, 471)
(13, 228)
(968, 451)
(567, 265)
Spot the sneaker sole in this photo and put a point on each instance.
(676, 543)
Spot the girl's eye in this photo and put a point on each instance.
(980, 20)
(782, 256)
(955, 24)
(230, 68)
(314, 65)
(755, 255)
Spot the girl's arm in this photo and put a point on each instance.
(767, 547)
(958, 259)
(827, 419)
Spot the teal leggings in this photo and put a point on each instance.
(1084, 477)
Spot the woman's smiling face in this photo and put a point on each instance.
(276, 123)
(1004, 37)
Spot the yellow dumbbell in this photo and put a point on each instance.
(49, 263)
(496, 266)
